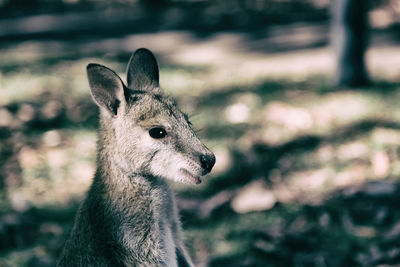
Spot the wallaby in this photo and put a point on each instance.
(129, 217)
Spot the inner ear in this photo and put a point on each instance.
(143, 74)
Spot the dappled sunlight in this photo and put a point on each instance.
(386, 137)
(28, 157)
(51, 109)
(292, 118)
(352, 151)
(343, 164)
(380, 164)
(280, 121)
(276, 147)
(25, 113)
(300, 166)
(57, 158)
(18, 88)
(6, 118)
(237, 113)
(58, 170)
(342, 108)
(253, 197)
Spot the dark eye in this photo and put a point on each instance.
(158, 133)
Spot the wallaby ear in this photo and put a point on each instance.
(142, 71)
(106, 87)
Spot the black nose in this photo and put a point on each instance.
(207, 162)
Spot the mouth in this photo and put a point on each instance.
(193, 178)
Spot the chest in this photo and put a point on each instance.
(167, 244)
(151, 227)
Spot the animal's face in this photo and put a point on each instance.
(152, 135)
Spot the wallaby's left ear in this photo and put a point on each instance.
(143, 71)
(106, 87)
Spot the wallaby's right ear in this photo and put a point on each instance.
(143, 71)
(106, 87)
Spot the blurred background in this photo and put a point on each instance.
(297, 98)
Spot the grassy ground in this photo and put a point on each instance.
(305, 175)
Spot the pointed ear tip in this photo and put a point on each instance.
(93, 65)
(142, 49)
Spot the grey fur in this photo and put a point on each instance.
(129, 217)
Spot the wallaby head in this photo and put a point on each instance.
(144, 130)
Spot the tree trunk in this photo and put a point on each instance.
(349, 40)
